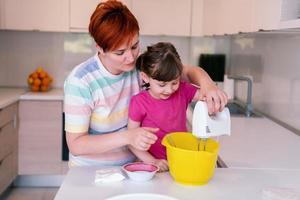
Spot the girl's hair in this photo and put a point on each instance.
(160, 62)
(112, 25)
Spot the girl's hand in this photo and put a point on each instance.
(162, 164)
(142, 138)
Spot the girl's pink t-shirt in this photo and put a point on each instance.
(168, 115)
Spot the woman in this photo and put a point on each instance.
(98, 91)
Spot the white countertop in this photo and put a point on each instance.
(10, 95)
(260, 143)
(233, 184)
(53, 94)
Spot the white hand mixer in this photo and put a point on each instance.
(205, 126)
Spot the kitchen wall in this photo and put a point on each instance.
(273, 61)
(21, 52)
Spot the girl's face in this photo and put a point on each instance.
(123, 58)
(161, 89)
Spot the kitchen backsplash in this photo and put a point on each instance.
(272, 60)
(22, 52)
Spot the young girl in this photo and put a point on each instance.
(164, 102)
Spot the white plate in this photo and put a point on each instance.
(139, 196)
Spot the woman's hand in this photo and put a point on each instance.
(215, 98)
(142, 138)
(162, 164)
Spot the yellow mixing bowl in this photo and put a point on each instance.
(187, 164)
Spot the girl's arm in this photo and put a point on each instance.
(145, 156)
(86, 144)
(142, 155)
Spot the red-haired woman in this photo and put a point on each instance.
(98, 91)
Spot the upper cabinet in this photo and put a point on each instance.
(81, 11)
(197, 17)
(290, 14)
(156, 17)
(227, 16)
(1, 15)
(266, 14)
(163, 17)
(235, 16)
(46, 15)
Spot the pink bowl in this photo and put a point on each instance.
(139, 166)
(139, 171)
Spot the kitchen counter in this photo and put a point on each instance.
(10, 95)
(53, 94)
(233, 184)
(260, 143)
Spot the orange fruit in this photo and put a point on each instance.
(46, 81)
(30, 80)
(34, 75)
(39, 70)
(37, 82)
(44, 88)
(42, 74)
(35, 88)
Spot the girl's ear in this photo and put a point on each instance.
(145, 77)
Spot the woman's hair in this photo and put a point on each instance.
(160, 62)
(112, 24)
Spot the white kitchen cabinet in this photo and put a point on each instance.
(8, 145)
(234, 16)
(276, 14)
(46, 15)
(155, 17)
(163, 17)
(290, 14)
(197, 17)
(266, 14)
(81, 11)
(40, 138)
(227, 16)
(1, 14)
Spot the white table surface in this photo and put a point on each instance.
(260, 143)
(232, 184)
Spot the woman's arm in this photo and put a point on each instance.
(196, 96)
(85, 144)
(216, 99)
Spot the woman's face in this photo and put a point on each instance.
(123, 58)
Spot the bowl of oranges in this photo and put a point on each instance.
(39, 80)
